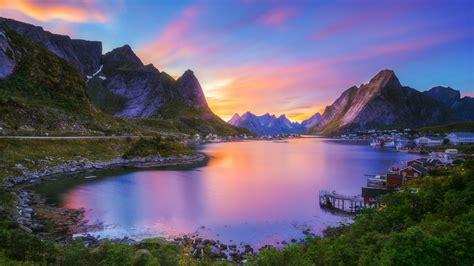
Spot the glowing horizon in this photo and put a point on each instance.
(285, 57)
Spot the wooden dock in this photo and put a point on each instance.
(333, 200)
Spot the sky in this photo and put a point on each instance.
(279, 57)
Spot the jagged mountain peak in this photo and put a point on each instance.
(188, 73)
(84, 55)
(385, 78)
(190, 89)
(446, 95)
(122, 57)
(462, 106)
(235, 119)
(266, 124)
(188, 76)
(235, 116)
(383, 102)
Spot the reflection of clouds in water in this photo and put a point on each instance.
(252, 192)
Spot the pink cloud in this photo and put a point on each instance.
(395, 48)
(277, 16)
(174, 41)
(360, 21)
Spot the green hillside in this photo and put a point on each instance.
(455, 127)
(46, 93)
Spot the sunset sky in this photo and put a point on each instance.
(280, 57)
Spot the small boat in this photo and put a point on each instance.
(375, 143)
(280, 141)
(90, 177)
(389, 144)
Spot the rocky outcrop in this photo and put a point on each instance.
(445, 95)
(383, 102)
(191, 92)
(135, 89)
(266, 124)
(138, 90)
(82, 54)
(464, 107)
(7, 56)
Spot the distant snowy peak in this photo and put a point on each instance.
(235, 119)
(267, 124)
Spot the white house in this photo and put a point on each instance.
(428, 141)
(457, 138)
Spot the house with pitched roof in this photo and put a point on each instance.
(458, 138)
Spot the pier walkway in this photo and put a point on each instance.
(341, 202)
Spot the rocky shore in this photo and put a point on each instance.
(32, 213)
(84, 165)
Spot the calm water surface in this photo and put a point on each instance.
(256, 192)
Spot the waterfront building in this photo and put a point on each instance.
(457, 138)
(429, 141)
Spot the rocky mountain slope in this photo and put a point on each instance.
(40, 91)
(383, 102)
(312, 121)
(464, 106)
(127, 88)
(118, 83)
(266, 124)
(83, 55)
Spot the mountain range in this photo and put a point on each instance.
(52, 82)
(464, 106)
(381, 103)
(271, 125)
(384, 102)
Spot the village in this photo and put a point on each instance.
(214, 138)
(398, 175)
(409, 140)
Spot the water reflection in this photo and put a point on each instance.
(254, 192)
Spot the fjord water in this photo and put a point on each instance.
(256, 192)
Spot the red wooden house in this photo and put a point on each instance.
(394, 180)
(413, 171)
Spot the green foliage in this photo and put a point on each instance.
(157, 146)
(41, 77)
(434, 226)
(51, 152)
(443, 129)
(46, 93)
(56, 151)
(103, 98)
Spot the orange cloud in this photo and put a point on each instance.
(295, 89)
(300, 89)
(82, 11)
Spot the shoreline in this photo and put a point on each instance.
(31, 211)
(71, 220)
(32, 177)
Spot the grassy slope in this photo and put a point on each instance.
(46, 93)
(39, 153)
(462, 126)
